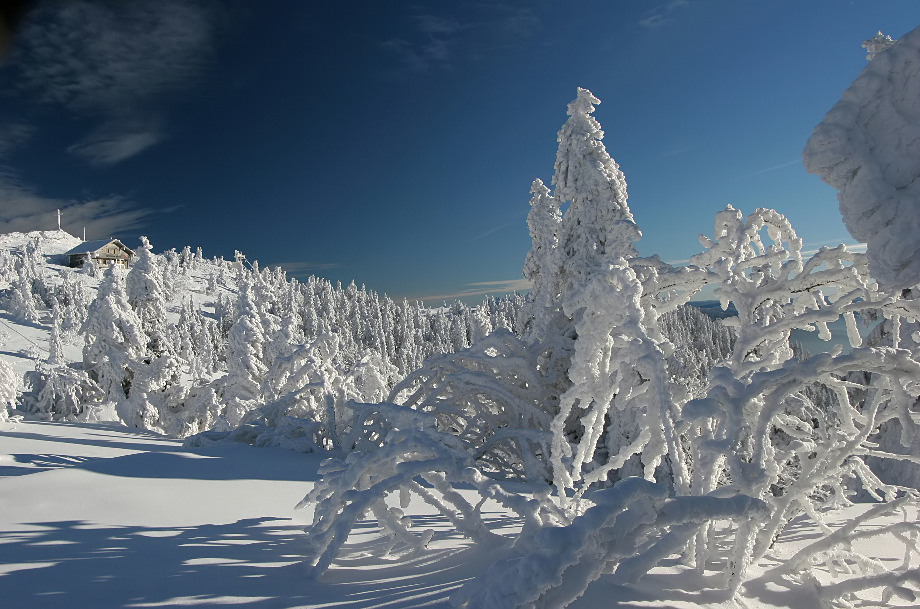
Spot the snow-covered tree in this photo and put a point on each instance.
(20, 301)
(55, 344)
(246, 361)
(541, 267)
(617, 417)
(10, 388)
(90, 268)
(767, 436)
(493, 396)
(72, 300)
(876, 45)
(114, 339)
(867, 148)
(480, 324)
(155, 393)
(598, 227)
(145, 293)
(773, 427)
(571, 334)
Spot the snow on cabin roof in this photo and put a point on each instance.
(88, 247)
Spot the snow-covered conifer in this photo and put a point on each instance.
(72, 299)
(246, 363)
(598, 227)
(155, 391)
(480, 324)
(617, 417)
(90, 268)
(541, 267)
(876, 45)
(867, 148)
(20, 302)
(10, 387)
(55, 345)
(144, 289)
(114, 339)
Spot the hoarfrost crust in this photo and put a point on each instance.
(868, 148)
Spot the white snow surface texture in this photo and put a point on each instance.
(868, 148)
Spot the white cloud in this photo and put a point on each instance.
(493, 230)
(112, 144)
(474, 32)
(109, 61)
(305, 268)
(90, 56)
(661, 14)
(813, 248)
(23, 210)
(482, 288)
(792, 163)
(14, 135)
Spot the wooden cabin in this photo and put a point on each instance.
(102, 252)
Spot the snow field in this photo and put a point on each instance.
(99, 515)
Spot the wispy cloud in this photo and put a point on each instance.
(109, 61)
(853, 247)
(305, 268)
(771, 169)
(661, 14)
(113, 143)
(482, 288)
(476, 31)
(14, 135)
(90, 55)
(678, 149)
(493, 230)
(25, 210)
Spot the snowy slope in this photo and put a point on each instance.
(52, 242)
(102, 516)
(21, 342)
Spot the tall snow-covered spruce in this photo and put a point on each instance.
(144, 289)
(114, 339)
(541, 267)
(611, 416)
(598, 227)
(581, 389)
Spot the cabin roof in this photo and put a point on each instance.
(88, 247)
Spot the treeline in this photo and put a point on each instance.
(181, 344)
(173, 340)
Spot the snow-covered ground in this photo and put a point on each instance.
(99, 515)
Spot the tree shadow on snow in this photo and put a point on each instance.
(159, 457)
(102, 443)
(78, 564)
(222, 462)
(22, 322)
(19, 354)
(255, 563)
(35, 463)
(102, 435)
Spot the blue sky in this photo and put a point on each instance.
(394, 143)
